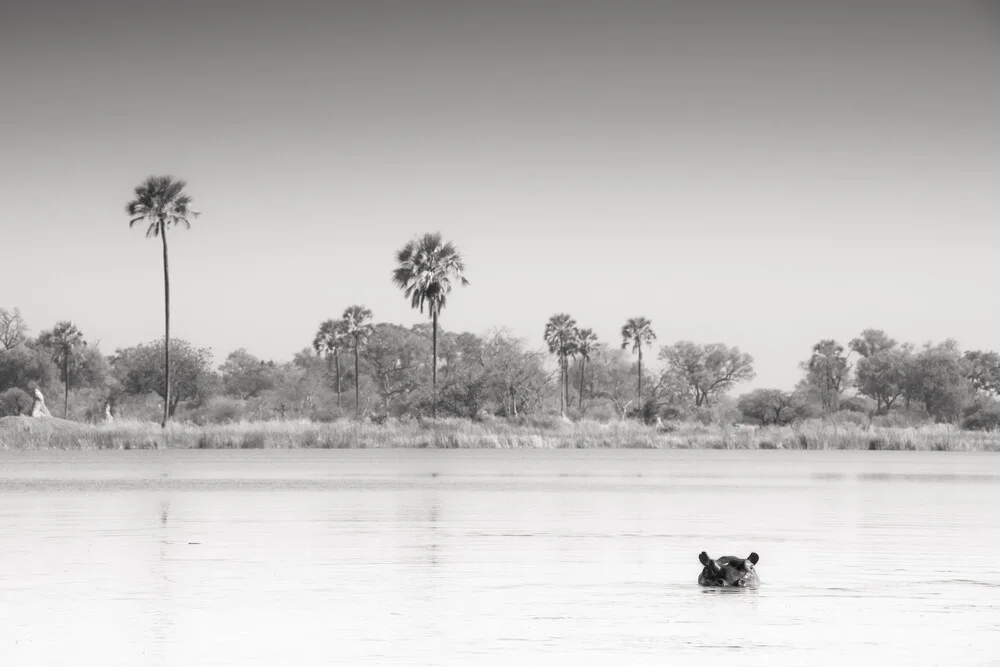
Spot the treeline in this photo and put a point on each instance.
(878, 376)
(355, 367)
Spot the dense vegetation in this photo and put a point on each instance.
(383, 371)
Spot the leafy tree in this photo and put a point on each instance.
(393, 356)
(26, 365)
(302, 389)
(64, 342)
(561, 335)
(768, 406)
(982, 369)
(708, 371)
(517, 375)
(245, 376)
(330, 339)
(827, 372)
(882, 369)
(357, 322)
(613, 380)
(426, 267)
(13, 330)
(871, 342)
(162, 202)
(142, 370)
(455, 351)
(586, 343)
(637, 332)
(937, 377)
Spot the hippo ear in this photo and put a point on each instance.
(703, 557)
(753, 558)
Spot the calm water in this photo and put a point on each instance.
(496, 557)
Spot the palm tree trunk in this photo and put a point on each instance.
(583, 367)
(66, 379)
(562, 395)
(166, 335)
(569, 403)
(336, 362)
(357, 380)
(638, 394)
(434, 366)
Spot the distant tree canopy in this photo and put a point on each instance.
(708, 371)
(936, 377)
(499, 375)
(828, 373)
(881, 372)
(140, 370)
(768, 406)
(398, 362)
(983, 371)
(245, 376)
(13, 330)
(26, 365)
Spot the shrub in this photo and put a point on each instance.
(857, 404)
(982, 418)
(844, 417)
(15, 401)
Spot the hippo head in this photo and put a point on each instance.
(729, 571)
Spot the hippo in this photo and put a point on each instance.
(729, 571)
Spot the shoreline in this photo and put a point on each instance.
(27, 433)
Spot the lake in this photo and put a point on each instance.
(461, 557)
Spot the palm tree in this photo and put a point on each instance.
(586, 343)
(330, 339)
(162, 202)
(356, 322)
(638, 331)
(425, 270)
(64, 340)
(561, 334)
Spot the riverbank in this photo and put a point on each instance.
(53, 433)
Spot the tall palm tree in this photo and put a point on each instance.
(638, 331)
(561, 334)
(330, 339)
(425, 269)
(64, 340)
(162, 202)
(586, 343)
(357, 325)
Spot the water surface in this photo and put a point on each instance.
(458, 557)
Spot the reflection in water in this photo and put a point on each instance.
(365, 557)
(161, 599)
(433, 513)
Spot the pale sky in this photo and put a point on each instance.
(763, 174)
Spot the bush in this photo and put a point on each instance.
(218, 410)
(15, 402)
(901, 419)
(982, 418)
(857, 404)
(844, 417)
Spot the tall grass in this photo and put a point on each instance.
(496, 434)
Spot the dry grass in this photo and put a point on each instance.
(26, 433)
